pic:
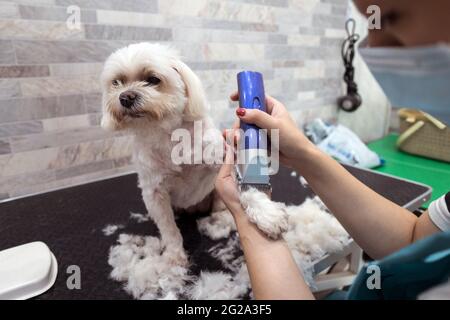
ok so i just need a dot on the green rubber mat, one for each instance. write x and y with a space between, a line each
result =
434 173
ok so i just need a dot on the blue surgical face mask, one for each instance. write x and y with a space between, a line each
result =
417 77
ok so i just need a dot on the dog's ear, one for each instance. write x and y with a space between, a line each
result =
196 105
107 122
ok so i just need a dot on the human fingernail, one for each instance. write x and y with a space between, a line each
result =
240 112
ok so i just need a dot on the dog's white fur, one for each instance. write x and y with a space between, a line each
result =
274 219
147 275
176 102
217 225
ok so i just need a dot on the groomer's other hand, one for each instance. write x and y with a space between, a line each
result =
226 185
292 141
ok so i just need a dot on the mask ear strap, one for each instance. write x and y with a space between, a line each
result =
350 27
348 54
352 100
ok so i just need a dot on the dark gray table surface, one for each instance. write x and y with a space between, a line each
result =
70 222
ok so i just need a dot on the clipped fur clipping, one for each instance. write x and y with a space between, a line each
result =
140 264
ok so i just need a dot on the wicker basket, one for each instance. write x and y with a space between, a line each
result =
423 135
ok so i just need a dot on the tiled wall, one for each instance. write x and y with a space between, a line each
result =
49 90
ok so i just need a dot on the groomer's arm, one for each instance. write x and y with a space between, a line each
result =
272 269
378 225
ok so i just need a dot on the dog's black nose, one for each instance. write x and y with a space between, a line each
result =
127 98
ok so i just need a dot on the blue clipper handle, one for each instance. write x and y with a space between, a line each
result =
252 96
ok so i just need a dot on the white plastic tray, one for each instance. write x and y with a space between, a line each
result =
26 271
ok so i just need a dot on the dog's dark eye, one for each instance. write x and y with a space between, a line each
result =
115 83
152 81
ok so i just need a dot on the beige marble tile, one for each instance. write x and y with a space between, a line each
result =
43 52
7 54
292 16
75 69
233 51
328 21
38 30
303 40
123 162
273 3
111 32
122 5
36 2
72 155
24 71
287 63
4 146
64 183
306 95
20 128
129 18
25 109
310 72
56 86
8 10
9 88
222 10
84 169
15 184
66 123
93 102
335 33
26 162
201 35
57 138
305 5
218 84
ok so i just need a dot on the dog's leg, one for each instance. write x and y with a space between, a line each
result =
269 216
160 210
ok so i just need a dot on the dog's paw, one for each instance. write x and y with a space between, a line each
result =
269 216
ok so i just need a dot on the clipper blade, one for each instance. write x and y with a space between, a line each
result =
248 176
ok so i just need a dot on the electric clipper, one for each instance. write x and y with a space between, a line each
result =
252 169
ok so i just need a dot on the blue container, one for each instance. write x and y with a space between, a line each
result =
252 96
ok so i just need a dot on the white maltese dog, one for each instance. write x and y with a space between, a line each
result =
150 92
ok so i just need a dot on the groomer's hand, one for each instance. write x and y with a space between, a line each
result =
226 185
292 142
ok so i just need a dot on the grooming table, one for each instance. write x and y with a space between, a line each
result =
70 221
404 165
